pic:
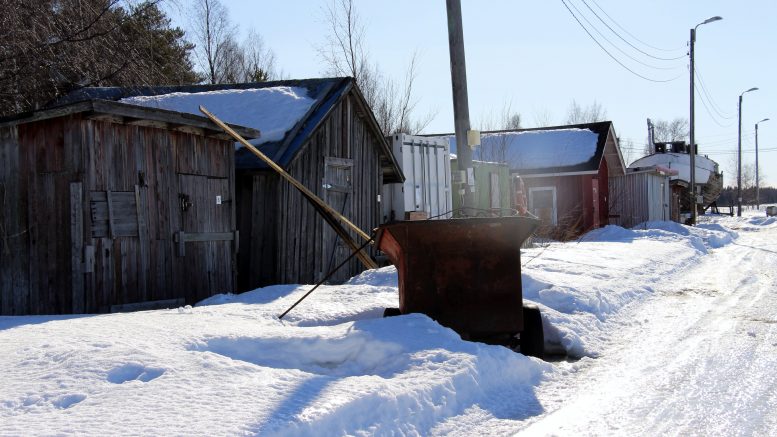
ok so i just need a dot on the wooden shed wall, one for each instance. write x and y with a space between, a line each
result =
61 177
343 154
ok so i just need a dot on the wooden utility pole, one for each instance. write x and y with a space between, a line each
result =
460 100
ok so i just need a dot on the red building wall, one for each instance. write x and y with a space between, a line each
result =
578 210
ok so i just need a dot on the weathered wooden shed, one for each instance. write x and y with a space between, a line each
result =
106 206
337 150
324 134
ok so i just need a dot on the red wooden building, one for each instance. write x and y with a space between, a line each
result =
566 171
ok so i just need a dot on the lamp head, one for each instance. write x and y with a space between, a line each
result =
711 19
765 119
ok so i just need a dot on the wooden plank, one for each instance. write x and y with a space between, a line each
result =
180 239
111 226
141 202
14 249
148 305
146 123
188 237
77 247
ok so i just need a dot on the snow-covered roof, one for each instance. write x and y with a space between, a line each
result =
273 111
286 112
548 150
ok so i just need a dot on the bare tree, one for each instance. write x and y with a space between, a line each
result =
220 56
543 118
628 150
345 54
592 113
214 36
674 130
495 148
259 63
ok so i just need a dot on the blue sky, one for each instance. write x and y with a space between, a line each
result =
535 58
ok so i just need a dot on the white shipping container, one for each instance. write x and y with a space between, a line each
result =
426 163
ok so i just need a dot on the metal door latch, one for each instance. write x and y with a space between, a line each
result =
185 201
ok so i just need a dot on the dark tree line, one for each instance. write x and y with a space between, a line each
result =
51 47
729 195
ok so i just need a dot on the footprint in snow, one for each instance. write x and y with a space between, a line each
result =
134 372
67 401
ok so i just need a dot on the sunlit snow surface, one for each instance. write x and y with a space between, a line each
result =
538 149
273 111
334 366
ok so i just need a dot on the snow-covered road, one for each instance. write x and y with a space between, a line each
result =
699 358
676 327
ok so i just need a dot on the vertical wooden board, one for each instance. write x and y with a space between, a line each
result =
302 268
28 162
73 146
77 247
105 269
14 254
129 261
143 253
243 206
45 256
60 290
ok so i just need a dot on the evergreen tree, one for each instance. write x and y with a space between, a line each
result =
51 47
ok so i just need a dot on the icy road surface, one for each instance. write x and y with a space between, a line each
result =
699 359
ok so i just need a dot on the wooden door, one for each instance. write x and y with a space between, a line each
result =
206 237
338 191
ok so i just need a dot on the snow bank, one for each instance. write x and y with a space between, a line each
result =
273 111
334 365
580 286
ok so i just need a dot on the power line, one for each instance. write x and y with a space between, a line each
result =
624 39
631 35
610 54
706 108
615 45
709 98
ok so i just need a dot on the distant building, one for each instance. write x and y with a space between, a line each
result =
565 170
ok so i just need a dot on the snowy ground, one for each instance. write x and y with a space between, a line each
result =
675 328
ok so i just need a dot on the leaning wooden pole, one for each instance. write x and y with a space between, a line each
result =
330 214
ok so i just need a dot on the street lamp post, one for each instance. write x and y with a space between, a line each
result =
739 153
692 181
757 191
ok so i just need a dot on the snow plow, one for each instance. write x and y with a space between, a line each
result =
466 274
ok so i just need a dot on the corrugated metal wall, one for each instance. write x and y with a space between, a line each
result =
639 197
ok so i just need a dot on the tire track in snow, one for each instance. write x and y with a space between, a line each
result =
700 362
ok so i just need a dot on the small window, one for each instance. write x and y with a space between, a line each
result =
114 214
337 174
